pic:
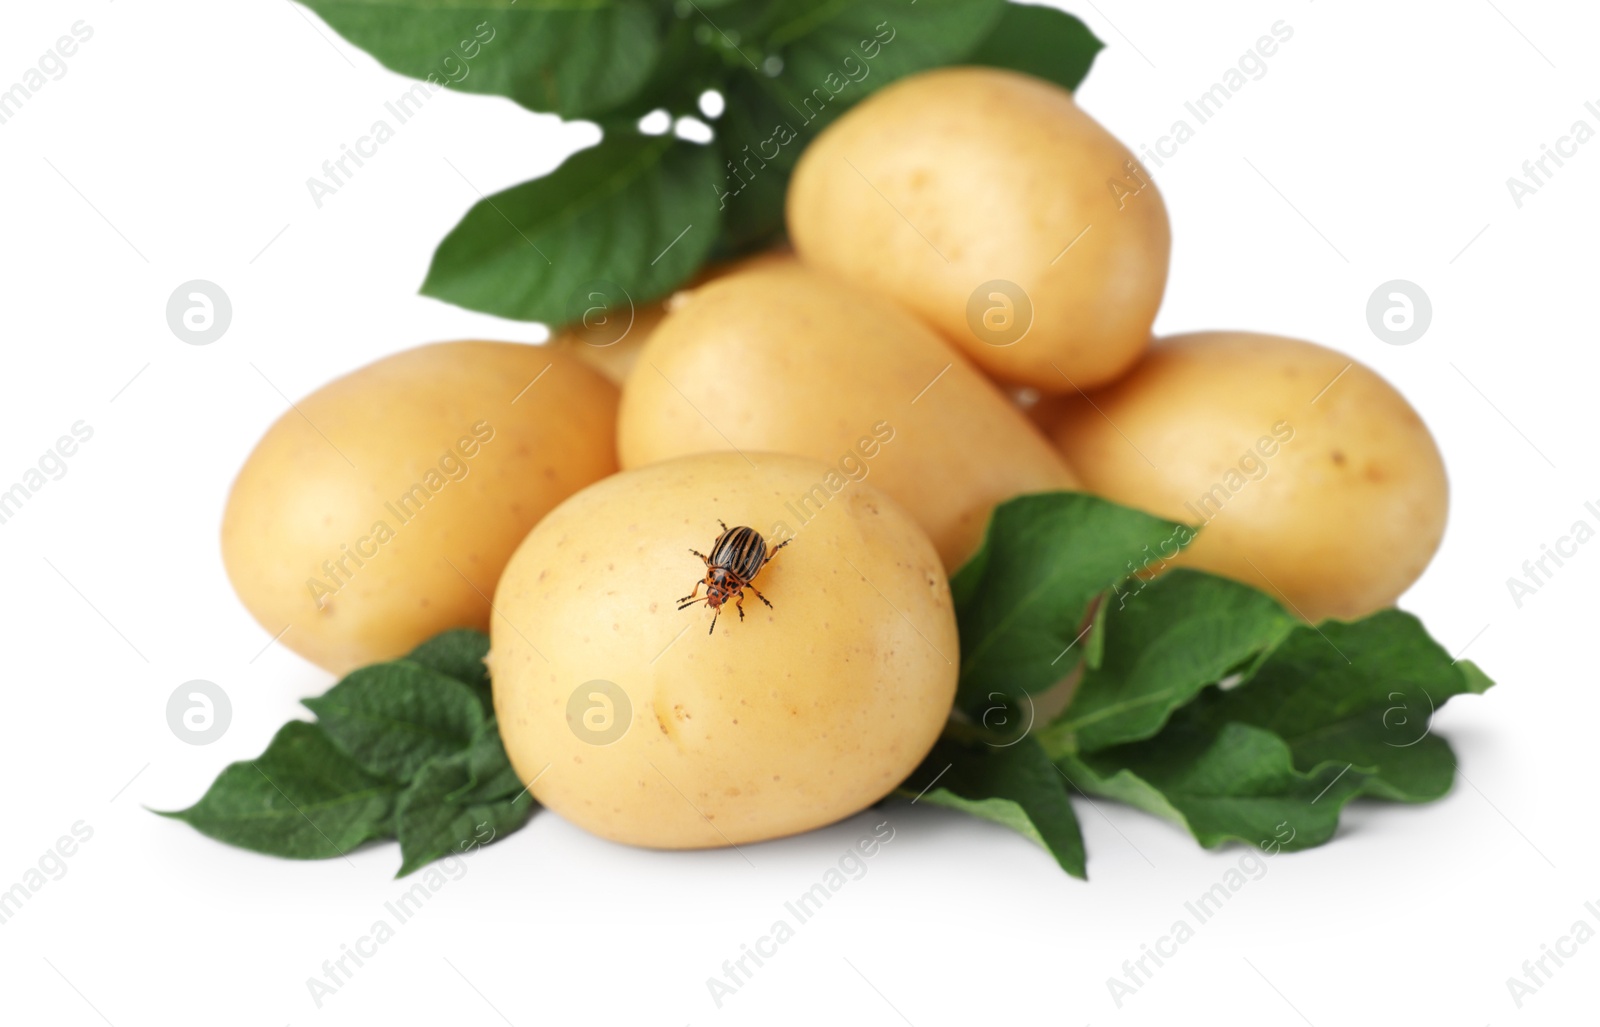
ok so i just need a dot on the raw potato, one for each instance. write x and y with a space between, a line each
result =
784 359
1334 501
610 341
969 194
381 510
633 722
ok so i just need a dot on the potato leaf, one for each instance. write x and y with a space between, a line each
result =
301 799
391 718
443 812
684 69
1361 693
1324 714
1014 786
1159 646
761 138
321 789
887 39
459 654
577 60
489 773
1040 41
1021 601
637 211
1236 784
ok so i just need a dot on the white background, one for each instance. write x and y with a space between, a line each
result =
177 147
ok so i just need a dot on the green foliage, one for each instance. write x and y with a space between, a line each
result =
405 749
393 717
459 802
1022 601
301 799
1162 645
1012 785
576 60
635 210
1042 42
1202 701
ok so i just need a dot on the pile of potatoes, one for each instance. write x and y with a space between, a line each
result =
956 244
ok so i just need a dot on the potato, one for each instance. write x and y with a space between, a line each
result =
381 509
610 340
784 359
1332 500
987 202
630 719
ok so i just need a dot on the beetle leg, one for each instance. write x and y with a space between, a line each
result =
703 557
690 598
774 551
761 597
740 604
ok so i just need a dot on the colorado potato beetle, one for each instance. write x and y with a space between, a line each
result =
736 558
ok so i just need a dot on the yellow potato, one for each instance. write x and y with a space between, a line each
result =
610 340
633 721
987 202
382 508
1332 500
784 359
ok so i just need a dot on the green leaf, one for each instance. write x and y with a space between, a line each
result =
1236 784
1162 645
1477 682
1014 786
433 823
683 71
577 59
391 718
760 138
459 654
1040 41
1362 693
301 799
489 773
322 788
1321 714
888 40
639 211
1021 601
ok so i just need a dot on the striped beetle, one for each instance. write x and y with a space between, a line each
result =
736 558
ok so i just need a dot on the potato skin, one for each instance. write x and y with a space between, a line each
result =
1335 502
999 173
793 718
784 359
416 418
